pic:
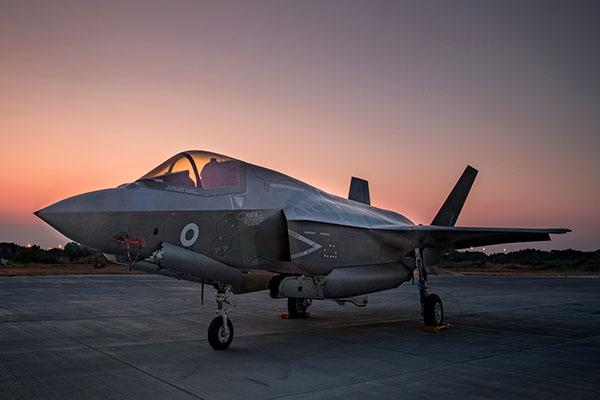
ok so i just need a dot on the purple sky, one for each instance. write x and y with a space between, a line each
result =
402 93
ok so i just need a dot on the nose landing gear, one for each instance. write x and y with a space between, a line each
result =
220 330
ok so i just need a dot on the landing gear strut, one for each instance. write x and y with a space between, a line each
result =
431 304
220 330
298 308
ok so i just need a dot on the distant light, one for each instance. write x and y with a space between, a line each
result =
504 250
28 245
471 248
483 248
59 246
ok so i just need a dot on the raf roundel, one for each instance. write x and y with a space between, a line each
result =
189 234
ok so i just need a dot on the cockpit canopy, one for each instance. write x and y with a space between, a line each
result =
197 171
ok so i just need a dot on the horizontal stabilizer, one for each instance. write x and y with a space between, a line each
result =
448 214
448 237
359 191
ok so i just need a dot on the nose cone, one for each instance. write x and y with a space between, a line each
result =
58 216
43 215
39 213
90 218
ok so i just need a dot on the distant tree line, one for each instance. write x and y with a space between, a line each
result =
72 253
538 259
535 259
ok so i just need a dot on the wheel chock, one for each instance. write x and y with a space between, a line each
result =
435 328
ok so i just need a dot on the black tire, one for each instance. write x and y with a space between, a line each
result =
433 310
297 308
216 335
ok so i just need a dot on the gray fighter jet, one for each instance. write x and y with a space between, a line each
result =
213 219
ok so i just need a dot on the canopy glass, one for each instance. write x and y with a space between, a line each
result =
197 169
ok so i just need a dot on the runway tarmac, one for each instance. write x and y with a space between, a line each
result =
144 337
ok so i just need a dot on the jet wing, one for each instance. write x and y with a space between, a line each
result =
465 237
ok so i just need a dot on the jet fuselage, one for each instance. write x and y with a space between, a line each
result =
261 223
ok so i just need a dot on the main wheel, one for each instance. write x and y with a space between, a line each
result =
220 337
433 310
297 308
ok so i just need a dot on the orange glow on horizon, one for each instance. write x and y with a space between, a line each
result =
88 103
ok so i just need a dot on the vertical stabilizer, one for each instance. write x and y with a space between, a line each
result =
448 214
359 191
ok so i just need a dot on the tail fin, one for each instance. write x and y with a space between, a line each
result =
359 191
448 214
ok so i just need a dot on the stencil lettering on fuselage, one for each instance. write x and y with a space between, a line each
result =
251 218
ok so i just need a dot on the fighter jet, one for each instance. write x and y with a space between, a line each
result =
212 219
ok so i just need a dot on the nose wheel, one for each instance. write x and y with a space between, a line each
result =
220 330
220 333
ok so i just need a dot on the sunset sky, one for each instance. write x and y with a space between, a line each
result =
401 93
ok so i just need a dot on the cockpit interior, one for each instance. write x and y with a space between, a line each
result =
196 170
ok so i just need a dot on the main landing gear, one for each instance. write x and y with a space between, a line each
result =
298 308
220 330
431 304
